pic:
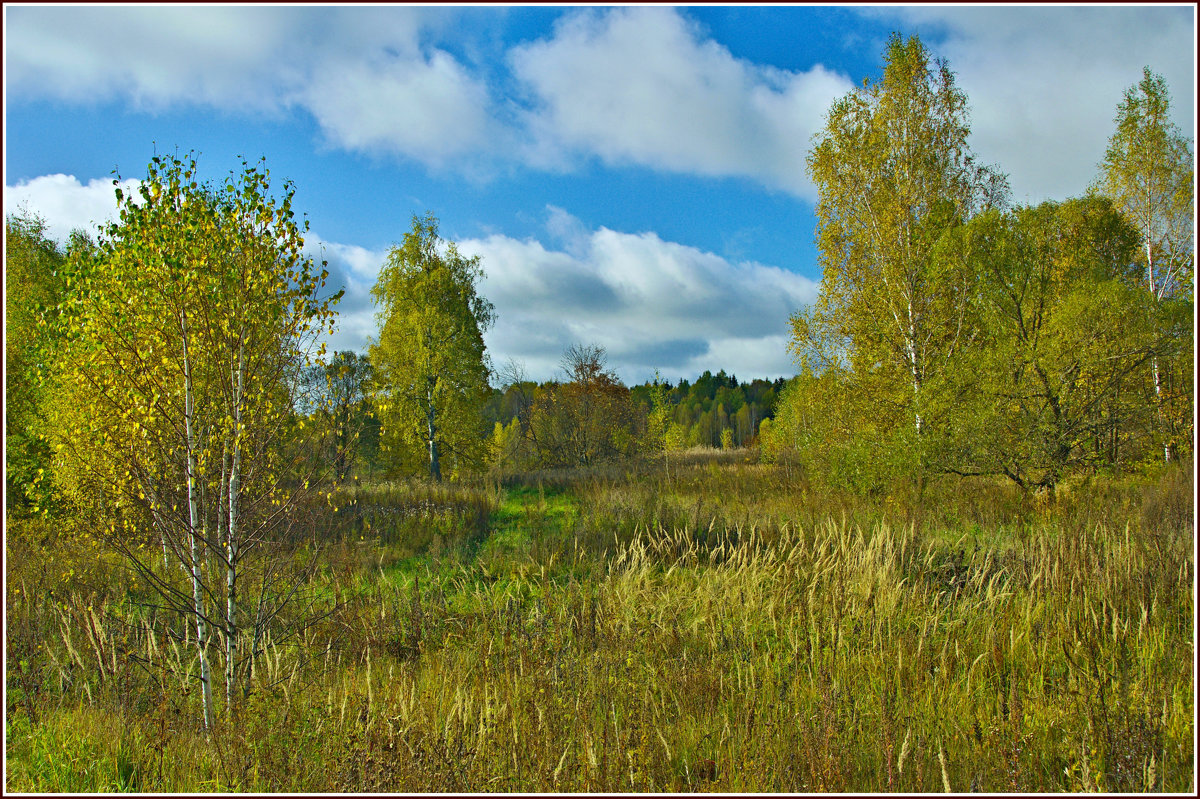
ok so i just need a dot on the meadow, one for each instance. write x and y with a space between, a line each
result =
719 626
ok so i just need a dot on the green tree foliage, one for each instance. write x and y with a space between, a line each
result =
170 402
658 420
840 438
431 365
1050 383
894 173
338 398
586 419
660 417
33 282
698 413
510 410
1149 172
953 335
507 447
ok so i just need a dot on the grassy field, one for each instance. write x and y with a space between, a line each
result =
726 628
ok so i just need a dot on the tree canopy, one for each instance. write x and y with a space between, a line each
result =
1149 172
431 364
952 334
894 173
183 333
34 279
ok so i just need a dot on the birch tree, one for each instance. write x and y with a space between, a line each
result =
33 281
1149 172
431 364
185 330
893 172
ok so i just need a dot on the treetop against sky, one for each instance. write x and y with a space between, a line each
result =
632 177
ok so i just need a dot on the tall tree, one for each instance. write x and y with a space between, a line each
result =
337 396
33 283
431 364
587 418
893 172
185 330
1149 172
1063 330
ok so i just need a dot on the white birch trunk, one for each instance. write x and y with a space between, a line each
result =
916 385
910 344
1154 360
194 521
166 555
435 467
232 538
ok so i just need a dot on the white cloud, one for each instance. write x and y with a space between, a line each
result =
353 269
429 109
153 55
632 85
651 303
641 86
637 85
65 204
1044 83
361 73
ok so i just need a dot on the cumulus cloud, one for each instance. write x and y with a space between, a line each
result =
352 269
152 55
642 86
1044 83
632 85
428 109
65 204
638 86
362 74
651 303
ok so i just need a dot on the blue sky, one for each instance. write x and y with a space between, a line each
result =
629 176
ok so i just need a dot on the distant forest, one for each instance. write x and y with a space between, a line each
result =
528 424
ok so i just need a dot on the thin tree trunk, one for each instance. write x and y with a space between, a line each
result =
259 629
916 385
223 521
1154 361
232 538
166 556
435 467
194 521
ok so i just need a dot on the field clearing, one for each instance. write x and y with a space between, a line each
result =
615 630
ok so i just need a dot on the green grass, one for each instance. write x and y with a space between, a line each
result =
727 629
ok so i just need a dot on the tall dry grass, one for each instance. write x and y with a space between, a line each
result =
717 630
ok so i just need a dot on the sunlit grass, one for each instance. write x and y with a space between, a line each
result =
723 629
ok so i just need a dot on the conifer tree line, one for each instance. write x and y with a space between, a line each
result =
532 422
587 416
